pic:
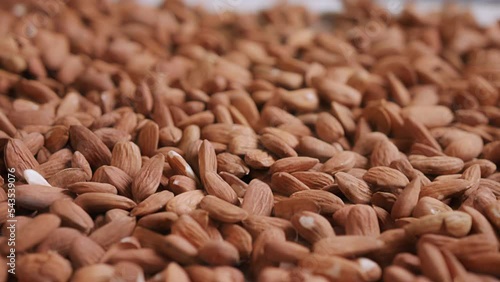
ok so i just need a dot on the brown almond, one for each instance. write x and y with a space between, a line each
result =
328 128
127 157
362 220
315 180
85 251
86 142
72 215
284 251
36 231
185 203
407 200
277 146
191 230
428 205
445 188
91 187
44 266
348 245
258 199
59 241
284 183
233 164
219 253
216 186
340 162
38 197
238 237
148 178
113 231
326 201
356 190
384 153
18 157
258 159
286 208
79 161
222 211
382 176
293 164
153 203
437 165
101 202
433 263
312 226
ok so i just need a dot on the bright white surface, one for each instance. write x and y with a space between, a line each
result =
486 13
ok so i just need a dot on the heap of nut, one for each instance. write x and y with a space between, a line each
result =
174 144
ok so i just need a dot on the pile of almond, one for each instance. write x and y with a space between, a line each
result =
173 144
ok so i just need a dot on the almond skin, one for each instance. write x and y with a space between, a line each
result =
72 215
221 210
92 148
36 231
258 199
148 178
50 266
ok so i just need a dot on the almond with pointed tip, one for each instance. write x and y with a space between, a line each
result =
285 184
445 188
221 210
72 215
407 200
347 245
362 220
186 202
148 178
38 197
101 202
127 157
153 203
216 186
285 251
113 231
84 251
19 157
91 187
238 237
227 162
293 164
258 159
36 231
328 128
48 266
258 199
219 253
382 176
327 202
59 240
91 147
312 226
116 177
191 230
356 190
180 166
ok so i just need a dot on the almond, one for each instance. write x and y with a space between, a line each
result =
312 226
221 210
92 148
258 199
50 266
148 178
72 215
127 157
